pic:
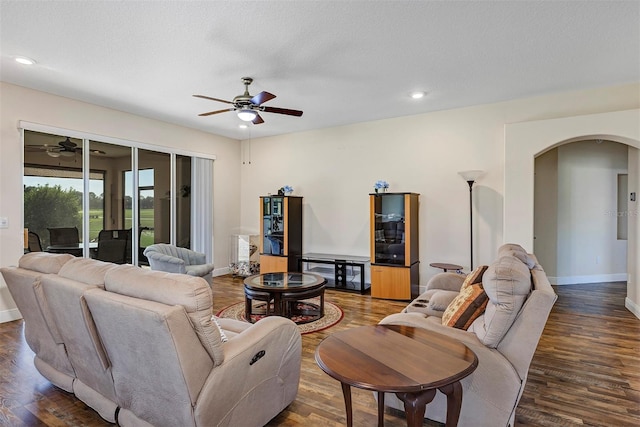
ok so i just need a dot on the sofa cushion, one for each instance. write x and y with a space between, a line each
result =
87 271
44 262
466 307
193 293
507 283
515 250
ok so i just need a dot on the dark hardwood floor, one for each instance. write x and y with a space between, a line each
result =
586 370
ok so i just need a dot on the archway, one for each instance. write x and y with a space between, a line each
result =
580 190
524 141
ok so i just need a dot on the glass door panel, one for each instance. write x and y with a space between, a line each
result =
109 233
154 197
183 201
53 192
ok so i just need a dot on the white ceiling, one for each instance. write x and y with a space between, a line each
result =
340 62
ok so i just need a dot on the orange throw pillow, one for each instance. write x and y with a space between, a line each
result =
474 277
466 307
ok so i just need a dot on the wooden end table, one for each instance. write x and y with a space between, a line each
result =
411 362
446 266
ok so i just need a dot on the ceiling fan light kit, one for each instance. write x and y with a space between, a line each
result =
247 115
248 107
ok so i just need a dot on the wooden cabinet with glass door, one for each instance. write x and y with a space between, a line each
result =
280 233
394 246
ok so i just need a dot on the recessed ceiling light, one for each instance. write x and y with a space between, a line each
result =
417 95
24 60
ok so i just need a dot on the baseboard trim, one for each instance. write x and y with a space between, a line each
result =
220 271
10 315
583 280
632 307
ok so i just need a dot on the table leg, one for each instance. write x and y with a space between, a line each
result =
380 409
454 402
247 308
278 309
415 405
346 392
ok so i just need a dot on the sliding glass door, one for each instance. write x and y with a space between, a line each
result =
89 185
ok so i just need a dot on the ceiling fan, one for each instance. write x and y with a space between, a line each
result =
66 148
248 106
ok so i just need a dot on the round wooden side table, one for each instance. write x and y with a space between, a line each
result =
445 266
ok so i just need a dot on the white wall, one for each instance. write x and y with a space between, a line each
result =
334 169
632 301
588 248
18 103
545 227
524 141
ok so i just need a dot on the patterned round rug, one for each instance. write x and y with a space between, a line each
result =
332 315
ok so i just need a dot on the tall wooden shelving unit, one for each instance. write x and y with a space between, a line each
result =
395 257
280 233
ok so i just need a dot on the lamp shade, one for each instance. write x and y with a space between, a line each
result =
247 115
472 175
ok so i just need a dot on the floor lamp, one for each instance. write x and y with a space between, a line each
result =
471 177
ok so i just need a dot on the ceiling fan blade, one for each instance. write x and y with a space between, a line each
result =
44 147
286 111
257 120
261 98
216 112
213 99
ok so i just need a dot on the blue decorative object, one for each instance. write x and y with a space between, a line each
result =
381 186
285 190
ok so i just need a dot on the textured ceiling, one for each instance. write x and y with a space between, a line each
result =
340 62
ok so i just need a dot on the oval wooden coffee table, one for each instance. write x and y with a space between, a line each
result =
411 362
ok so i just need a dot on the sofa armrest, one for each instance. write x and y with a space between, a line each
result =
446 281
165 263
265 357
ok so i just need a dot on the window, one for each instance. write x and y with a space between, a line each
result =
162 209
53 198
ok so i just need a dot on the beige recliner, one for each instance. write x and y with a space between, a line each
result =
65 294
169 362
40 330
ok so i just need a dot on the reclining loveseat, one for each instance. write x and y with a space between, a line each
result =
502 326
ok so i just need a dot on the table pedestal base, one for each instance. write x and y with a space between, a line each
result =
415 404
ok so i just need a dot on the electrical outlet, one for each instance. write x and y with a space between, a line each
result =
597 259
4 222
632 196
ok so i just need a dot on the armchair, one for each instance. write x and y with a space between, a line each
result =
173 259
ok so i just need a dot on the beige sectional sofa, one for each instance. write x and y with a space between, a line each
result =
141 348
504 336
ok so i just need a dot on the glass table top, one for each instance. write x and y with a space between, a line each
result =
283 280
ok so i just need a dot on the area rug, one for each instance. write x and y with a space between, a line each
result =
332 315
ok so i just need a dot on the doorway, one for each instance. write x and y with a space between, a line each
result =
526 140
579 212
